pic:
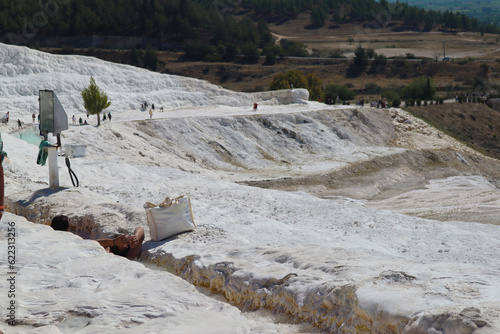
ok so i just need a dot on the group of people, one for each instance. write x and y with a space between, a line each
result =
81 121
104 116
333 101
6 118
379 104
144 107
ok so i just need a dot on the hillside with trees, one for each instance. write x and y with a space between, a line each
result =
483 10
206 33
219 29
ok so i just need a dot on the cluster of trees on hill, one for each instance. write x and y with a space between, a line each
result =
204 20
354 11
228 38
186 21
196 25
205 30
180 20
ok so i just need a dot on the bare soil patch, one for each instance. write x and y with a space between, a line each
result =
475 124
388 176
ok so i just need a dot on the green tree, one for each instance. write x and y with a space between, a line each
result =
372 88
134 57
286 80
392 97
360 58
343 93
293 49
370 53
296 79
250 53
280 81
271 52
232 51
265 33
359 64
318 16
313 86
151 58
421 88
95 100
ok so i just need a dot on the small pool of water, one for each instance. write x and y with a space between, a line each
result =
29 135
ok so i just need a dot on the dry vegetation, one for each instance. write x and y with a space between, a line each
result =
472 123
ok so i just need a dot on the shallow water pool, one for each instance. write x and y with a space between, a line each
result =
29 135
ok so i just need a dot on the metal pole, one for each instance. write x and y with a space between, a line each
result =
53 170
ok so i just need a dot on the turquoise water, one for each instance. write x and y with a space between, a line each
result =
30 135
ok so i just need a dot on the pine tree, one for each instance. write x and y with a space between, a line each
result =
95 100
134 57
151 58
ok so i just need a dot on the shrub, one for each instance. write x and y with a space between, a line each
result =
390 95
337 53
344 93
396 102
372 88
151 58
421 88
297 79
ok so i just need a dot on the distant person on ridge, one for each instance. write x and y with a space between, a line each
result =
150 113
109 116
